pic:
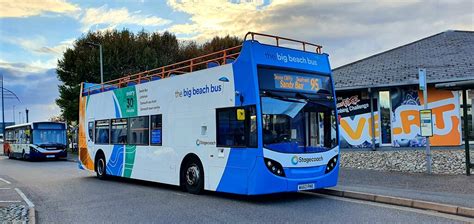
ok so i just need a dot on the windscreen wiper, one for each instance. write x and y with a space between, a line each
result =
280 97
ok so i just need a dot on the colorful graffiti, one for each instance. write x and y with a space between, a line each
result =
356 121
406 119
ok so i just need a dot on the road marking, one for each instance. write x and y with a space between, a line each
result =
6 181
407 209
28 202
5 188
10 201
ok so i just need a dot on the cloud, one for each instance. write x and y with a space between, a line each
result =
35 86
114 17
348 30
24 8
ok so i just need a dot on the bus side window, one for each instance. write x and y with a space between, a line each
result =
138 132
118 131
156 130
102 132
91 130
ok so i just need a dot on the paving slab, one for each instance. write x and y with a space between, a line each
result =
447 189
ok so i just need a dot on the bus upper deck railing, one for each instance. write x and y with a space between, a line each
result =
198 63
318 48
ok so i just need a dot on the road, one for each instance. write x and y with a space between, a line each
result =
64 194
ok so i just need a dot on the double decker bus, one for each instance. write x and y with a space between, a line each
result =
252 119
36 140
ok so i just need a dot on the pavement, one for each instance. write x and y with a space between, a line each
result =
390 148
13 207
62 193
447 189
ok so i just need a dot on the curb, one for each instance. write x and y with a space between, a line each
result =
405 202
31 215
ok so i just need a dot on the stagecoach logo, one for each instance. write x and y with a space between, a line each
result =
296 159
201 142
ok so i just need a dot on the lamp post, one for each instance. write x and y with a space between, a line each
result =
10 95
100 58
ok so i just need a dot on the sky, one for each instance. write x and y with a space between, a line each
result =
35 33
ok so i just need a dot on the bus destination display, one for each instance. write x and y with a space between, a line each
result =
295 82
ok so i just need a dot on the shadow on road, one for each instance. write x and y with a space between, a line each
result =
254 199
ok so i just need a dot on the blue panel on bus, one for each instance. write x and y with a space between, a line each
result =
156 136
115 163
263 54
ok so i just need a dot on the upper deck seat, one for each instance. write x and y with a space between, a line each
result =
153 78
212 64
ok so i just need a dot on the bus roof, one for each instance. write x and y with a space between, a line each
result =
31 124
222 57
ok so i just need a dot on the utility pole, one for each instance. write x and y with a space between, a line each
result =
100 59
26 112
14 121
3 110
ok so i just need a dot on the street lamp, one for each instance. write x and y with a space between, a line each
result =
101 66
10 95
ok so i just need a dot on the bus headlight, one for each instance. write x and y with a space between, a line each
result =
274 167
33 150
331 164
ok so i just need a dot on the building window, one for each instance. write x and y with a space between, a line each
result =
139 131
384 102
156 130
118 131
233 131
102 131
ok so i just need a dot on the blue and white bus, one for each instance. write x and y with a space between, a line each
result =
36 140
252 119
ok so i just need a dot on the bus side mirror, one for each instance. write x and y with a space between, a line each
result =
241 114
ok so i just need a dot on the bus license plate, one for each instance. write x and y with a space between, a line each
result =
49 156
303 187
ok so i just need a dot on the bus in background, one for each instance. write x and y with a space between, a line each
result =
36 140
252 119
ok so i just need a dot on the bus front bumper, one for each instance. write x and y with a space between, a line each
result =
48 155
262 181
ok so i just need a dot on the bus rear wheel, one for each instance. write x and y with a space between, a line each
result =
101 168
193 175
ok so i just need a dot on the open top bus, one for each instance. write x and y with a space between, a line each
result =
252 119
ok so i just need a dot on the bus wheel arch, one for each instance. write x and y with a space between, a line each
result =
192 174
100 164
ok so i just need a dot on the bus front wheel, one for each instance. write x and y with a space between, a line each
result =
193 175
101 168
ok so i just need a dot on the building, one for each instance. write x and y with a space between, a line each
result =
379 94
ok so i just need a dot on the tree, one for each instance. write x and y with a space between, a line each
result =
124 53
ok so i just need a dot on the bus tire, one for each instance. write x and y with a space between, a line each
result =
101 167
24 156
193 176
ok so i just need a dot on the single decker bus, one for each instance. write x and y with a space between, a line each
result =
36 140
258 118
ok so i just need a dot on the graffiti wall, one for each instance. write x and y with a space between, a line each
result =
406 104
356 122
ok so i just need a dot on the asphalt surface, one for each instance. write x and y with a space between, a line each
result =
64 194
448 189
